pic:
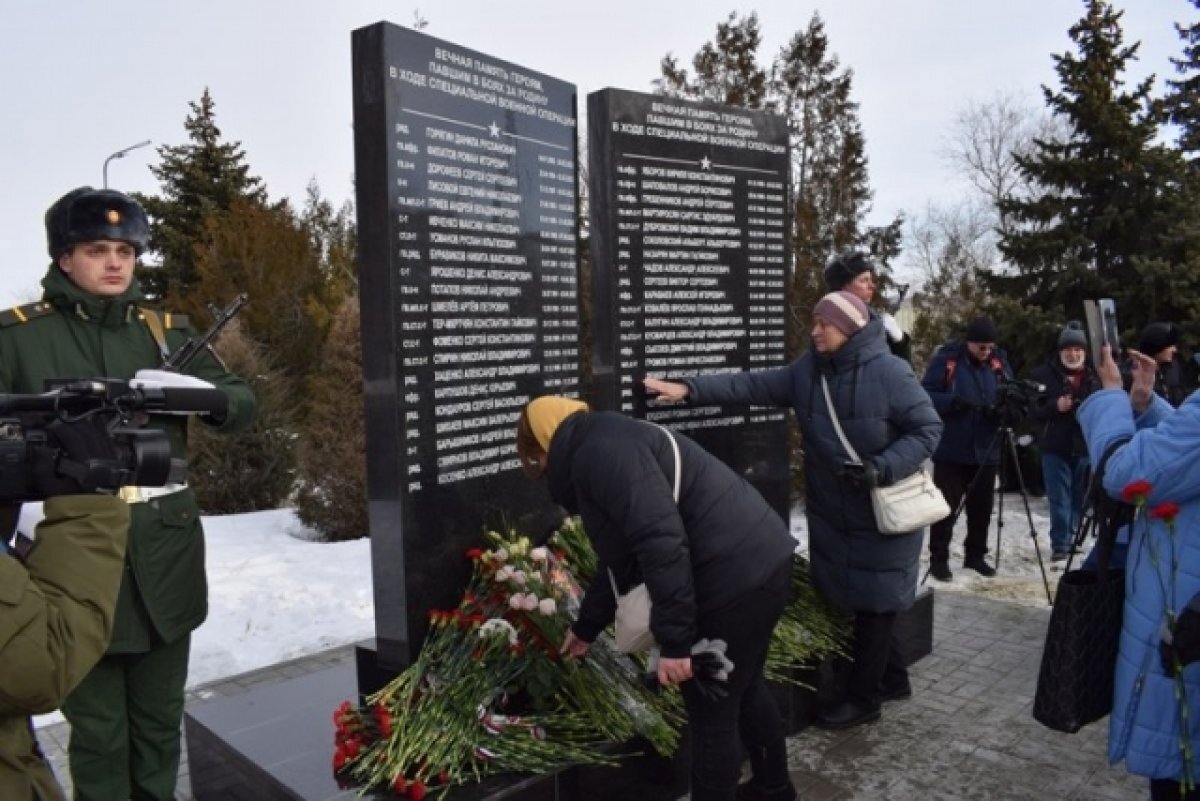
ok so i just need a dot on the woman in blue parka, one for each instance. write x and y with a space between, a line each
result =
1162 567
893 426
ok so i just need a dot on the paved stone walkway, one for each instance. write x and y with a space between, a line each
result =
967 733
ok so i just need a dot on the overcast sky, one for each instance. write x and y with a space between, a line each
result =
84 79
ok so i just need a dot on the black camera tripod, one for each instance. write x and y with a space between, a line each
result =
1007 442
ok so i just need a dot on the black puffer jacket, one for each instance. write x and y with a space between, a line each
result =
721 541
891 423
1059 433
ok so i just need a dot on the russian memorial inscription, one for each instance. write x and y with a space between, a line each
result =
466 188
689 213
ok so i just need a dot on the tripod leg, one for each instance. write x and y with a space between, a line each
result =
1012 449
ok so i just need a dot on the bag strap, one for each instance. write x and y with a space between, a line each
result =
678 462
674 493
1111 514
837 426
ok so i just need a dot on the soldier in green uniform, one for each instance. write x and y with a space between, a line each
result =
56 602
126 715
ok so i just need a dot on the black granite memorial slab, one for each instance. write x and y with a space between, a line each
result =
689 221
274 742
466 193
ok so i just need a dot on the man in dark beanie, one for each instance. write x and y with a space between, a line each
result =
853 272
1067 379
93 321
1160 341
963 380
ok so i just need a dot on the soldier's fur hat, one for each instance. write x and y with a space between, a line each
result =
86 214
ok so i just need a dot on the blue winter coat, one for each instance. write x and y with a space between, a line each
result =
1144 727
888 419
970 435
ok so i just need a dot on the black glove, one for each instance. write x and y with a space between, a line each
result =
1183 643
64 468
863 476
958 405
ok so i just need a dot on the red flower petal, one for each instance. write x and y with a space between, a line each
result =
1165 511
1136 491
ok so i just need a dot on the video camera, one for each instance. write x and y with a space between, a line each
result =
1014 396
142 455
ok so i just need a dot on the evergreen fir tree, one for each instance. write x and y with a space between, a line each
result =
283 262
1099 208
331 496
197 180
1182 102
727 70
255 469
830 185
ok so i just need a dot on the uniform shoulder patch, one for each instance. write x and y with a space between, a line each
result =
23 314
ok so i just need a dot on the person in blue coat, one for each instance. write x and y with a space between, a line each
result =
892 424
963 380
1162 568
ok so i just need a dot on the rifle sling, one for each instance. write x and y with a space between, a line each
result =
154 323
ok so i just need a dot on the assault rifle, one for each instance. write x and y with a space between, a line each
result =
181 358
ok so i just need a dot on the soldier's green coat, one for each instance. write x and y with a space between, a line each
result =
56 614
72 334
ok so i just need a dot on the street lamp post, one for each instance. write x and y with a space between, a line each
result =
120 154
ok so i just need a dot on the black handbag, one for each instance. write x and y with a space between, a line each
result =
1079 660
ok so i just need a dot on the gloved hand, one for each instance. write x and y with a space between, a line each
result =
1182 643
864 475
894 332
68 467
157 379
711 669
165 379
959 404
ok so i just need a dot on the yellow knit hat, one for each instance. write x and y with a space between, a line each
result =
547 413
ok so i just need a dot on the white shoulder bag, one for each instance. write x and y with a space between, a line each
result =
906 505
632 621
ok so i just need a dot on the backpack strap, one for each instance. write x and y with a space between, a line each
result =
951 368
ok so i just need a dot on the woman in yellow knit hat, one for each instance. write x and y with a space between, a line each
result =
716 559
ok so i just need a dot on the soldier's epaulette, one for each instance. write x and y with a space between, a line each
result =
23 314
169 319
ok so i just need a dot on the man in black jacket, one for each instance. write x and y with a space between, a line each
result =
1067 379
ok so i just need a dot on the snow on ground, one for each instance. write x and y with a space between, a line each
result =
277 594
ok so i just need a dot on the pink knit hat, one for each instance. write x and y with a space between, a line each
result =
844 311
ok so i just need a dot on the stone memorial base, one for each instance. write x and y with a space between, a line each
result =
275 740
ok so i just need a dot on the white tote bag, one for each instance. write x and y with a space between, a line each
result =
632 621
906 505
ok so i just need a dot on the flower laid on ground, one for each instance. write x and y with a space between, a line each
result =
490 692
